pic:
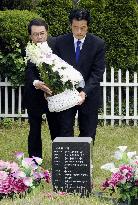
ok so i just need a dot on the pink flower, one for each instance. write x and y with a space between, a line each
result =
19 155
19 186
38 160
6 185
62 193
116 178
50 195
19 174
38 176
19 179
127 171
105 184
124 181
28 181
3 175
47 176
4 165
136 162
13 167
29 163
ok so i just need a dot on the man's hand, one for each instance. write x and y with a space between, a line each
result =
41 85
83 96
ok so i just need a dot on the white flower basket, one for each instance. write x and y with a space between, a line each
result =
63 101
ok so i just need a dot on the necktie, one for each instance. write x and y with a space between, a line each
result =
78 51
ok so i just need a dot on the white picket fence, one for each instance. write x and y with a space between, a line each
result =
123 99
119 100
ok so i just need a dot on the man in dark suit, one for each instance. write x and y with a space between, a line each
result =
85 52
34 90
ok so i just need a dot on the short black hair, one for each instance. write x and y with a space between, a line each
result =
37 22
80 14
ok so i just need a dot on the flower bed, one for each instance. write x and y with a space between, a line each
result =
22 176
124 178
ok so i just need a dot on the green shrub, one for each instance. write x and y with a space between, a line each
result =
13 38
116 22
55 12
120 31
113 20
18 4
6 123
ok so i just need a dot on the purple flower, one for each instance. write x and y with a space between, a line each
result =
105 184
47 176
19 179
29 163
19 174
116 178
36 176
19 155
13 167
124 181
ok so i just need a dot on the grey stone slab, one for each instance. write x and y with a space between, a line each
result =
71 165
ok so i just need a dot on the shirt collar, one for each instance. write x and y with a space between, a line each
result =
82 40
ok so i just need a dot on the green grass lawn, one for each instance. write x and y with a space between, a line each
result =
14 138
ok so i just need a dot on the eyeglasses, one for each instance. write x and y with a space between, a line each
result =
41 34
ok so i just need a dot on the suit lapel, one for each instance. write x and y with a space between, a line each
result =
71 50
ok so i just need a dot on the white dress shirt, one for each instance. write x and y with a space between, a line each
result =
81 44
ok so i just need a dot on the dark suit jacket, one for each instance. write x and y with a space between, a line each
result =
33 99
91 62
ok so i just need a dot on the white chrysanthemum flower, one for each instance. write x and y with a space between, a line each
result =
44 48
118 155
109 167
122 148
131 154
42 53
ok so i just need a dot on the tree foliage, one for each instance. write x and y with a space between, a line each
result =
56 12
18 4
120 31
113 20
13 38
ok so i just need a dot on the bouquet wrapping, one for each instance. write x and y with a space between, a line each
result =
58 75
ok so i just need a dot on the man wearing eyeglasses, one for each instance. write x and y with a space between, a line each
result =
34 90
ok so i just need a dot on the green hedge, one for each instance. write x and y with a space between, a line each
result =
113 20
18 4
56 12
13 37
120 30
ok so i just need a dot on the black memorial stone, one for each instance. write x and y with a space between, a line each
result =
71 165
